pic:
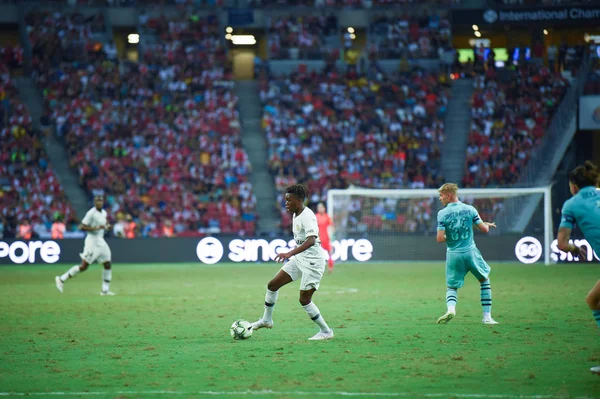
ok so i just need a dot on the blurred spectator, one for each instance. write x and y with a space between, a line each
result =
168 230
552 52
119 227
25 230
130 227
58 229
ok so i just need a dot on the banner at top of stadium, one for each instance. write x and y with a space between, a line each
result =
580 15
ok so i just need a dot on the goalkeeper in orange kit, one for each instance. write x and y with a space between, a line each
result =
325 230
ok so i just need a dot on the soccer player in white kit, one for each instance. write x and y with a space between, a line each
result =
95 248
305 262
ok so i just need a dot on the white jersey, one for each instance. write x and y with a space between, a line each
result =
304 226
94 218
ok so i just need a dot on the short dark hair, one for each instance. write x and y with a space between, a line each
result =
299 190
584 175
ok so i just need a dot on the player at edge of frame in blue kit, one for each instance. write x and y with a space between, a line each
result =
455 227
583 209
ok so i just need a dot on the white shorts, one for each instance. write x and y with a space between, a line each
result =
310 271
96 252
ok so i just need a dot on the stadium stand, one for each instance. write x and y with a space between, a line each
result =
29 190
162 140
510 111
370 130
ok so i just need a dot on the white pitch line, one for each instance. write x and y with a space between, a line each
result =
297 393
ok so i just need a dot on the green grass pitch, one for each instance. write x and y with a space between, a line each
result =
166 334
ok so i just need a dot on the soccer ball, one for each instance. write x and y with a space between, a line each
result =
241 329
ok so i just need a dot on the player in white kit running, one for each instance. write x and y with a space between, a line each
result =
95 248
305 262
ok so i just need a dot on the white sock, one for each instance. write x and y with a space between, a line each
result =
72 272
452 308
106 278
270 299
487 315
313 312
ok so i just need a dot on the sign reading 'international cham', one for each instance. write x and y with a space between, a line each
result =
582 15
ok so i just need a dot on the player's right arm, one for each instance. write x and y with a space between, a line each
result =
567 222
482 226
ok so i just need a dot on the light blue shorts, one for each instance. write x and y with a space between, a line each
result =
458 264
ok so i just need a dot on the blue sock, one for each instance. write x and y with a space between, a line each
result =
486 296
451 298
596 314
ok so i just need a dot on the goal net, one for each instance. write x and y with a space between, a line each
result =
402 224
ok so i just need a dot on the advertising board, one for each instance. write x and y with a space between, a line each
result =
215 250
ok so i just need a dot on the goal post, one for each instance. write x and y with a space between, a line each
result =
388 214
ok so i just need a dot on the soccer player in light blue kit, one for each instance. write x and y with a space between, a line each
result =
583 209
455 227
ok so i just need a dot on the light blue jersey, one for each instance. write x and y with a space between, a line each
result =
583 209
457 220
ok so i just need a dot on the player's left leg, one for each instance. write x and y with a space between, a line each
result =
481 270
315 315
311 278
455 279
105 259
106 279
593 301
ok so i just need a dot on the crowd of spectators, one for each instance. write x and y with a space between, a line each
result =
422 35
56 37
361 214
29 190
258 3
510 110
300 36
161 137
332 130
348 3
544 2
133 3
